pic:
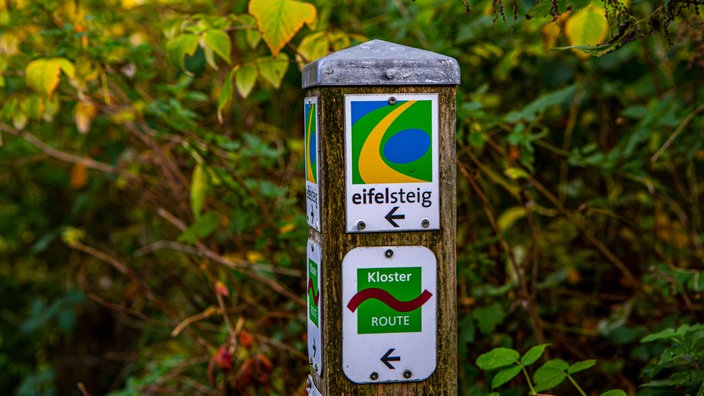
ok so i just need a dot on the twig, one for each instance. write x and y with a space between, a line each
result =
120 308
122 268
676 133
83 389
210 311
60 155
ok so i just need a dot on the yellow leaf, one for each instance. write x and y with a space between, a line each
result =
510 216
587 27
313 47
43 75
255 257
279 20
286 228
551 32
9 43
130 4
83 114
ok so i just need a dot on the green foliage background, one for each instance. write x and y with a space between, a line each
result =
152 238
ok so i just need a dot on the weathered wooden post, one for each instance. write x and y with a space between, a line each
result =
380 188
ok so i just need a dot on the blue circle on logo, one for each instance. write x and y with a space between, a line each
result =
312 152
407 146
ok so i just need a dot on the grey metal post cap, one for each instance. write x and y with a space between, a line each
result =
379 62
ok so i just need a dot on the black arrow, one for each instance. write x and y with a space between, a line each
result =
390 217
386 358
315 351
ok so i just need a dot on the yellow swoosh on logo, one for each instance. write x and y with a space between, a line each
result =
372 167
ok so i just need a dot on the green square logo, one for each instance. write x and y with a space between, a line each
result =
313 292
392 300
392 143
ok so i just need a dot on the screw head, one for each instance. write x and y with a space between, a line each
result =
425 223
407 374
361 225
389 253
317 368
374 376
392 100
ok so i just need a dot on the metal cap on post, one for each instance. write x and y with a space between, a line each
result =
380 192
380 62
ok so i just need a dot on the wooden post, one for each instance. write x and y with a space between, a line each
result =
380 170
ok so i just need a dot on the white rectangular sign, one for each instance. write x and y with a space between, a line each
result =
389 319
392 162
314 312
312 155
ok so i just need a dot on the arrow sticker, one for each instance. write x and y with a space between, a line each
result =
388 358
390 217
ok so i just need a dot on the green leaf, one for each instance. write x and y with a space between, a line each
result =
489 317
245 78
199 189
218 41
279 20
204 226
226 93
273 69
550 374
581 366
504 376
533 354
181 46
252 35
538 106
614 392
43 75
497 357
689 378
664 334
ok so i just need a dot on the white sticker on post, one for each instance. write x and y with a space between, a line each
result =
312 154
389 325
392 158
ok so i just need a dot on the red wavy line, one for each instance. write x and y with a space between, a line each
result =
316 297
385 297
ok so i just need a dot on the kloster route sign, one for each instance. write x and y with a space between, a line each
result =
392 162
313 300
389 312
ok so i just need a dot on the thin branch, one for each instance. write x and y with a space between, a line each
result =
60 155
210 311
676 133
122 268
